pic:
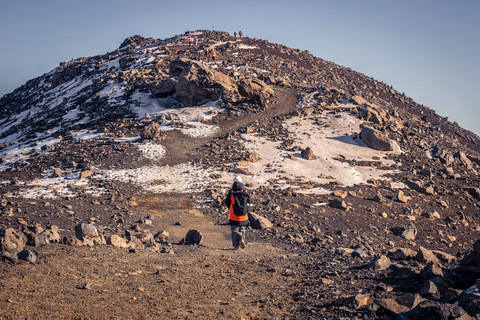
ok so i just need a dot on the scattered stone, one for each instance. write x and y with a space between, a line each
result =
400 304
401 197
51 236
308 154
429 290
420 186
151 132
404 254
85 174
434 310
338 204
162 236
375 139
27 255
11 240
427 256
340 193
259 222
358 301
380 263
408 231
432 270
360 253
117 241
252 157
193 237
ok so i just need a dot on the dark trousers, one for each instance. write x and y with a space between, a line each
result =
237 233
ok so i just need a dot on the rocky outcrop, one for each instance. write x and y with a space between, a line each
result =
376 139
199 84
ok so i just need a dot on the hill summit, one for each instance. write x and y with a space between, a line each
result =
365 204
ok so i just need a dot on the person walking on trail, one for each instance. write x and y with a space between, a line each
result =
240 34
237 201
212 53
195 41
235 34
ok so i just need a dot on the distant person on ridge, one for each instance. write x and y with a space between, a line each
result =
235 34
213 54
240 34
237 201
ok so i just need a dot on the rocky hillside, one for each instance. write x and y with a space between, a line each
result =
365 203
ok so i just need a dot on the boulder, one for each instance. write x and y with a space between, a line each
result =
434 310
400 304
11 240
51 236
340 204
474 192
381 263
117 241
420 186
135 244
252 157
404 254
162 236
85 174
408 231
36 240
429 290
444 156
89 234
374 114
375 139
427 256
358 100
249 87
151 132
358 301
163 88
401 197
340 193
464 159
199 84
259 222
470 302
193 237
432 270
27 255
308 154
86 229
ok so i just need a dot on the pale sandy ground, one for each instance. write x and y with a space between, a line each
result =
329 139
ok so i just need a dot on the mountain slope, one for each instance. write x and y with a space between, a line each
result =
148 137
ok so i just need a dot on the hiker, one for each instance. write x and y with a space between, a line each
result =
212 53
234 74
195 41
240 34
235 34
237 201
207 54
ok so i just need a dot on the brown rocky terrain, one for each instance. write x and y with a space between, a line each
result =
78 243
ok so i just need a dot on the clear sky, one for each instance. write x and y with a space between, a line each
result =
428 49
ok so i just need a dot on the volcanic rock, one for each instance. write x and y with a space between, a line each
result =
375 139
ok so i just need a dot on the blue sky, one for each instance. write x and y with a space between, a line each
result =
428 49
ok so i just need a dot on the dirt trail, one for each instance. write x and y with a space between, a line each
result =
216 234
198 282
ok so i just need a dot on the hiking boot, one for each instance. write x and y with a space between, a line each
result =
236 248
242 242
